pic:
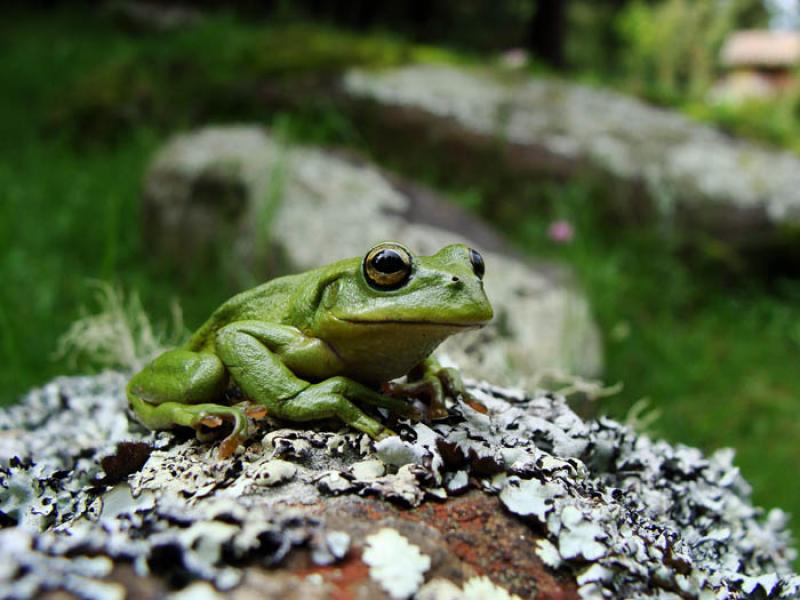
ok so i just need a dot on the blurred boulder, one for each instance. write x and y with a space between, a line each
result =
267 208
741 192
153 17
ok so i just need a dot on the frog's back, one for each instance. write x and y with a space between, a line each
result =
269 302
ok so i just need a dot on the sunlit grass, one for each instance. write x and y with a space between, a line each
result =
117 333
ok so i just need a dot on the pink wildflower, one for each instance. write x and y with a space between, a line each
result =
561 231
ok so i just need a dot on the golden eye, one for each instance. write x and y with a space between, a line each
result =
387 266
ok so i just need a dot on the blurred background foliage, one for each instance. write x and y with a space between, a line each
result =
86 99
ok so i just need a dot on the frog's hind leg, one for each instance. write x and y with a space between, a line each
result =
248 349
179 388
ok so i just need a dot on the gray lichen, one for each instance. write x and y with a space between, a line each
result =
626 515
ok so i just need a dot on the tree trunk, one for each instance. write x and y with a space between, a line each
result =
547 31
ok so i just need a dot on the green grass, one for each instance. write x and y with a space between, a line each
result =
84 106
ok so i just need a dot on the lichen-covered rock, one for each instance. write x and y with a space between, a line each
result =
547 505
722 183
271 208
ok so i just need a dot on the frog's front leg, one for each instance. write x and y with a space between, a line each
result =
257 355
431 381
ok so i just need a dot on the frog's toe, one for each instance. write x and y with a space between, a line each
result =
384 433
211 421
210 418
256 412
229 445
475 404
410 410
437 412
415 414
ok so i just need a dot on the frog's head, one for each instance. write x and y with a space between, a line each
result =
392 286
391 303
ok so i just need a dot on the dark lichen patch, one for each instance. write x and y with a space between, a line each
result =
128 458
621 514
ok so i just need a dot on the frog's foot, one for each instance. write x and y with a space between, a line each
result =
206 418
429 390
455 388
362 394
229 445
434 386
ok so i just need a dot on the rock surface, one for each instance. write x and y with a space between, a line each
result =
730 186
274 208
525 501
148 17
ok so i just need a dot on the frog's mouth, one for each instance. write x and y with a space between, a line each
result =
422 323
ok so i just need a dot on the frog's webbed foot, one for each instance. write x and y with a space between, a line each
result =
455 388
212 419
429 391
205 419
433 384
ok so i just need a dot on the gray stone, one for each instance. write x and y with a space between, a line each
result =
724 184
274 208
158 17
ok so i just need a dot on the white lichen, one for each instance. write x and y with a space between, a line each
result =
398 566
579 536
367 470
275 472
548 553
199 590
439 589
530 498
396 452
480 588
476 588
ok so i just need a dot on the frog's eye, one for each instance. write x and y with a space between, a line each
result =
477 263
387 266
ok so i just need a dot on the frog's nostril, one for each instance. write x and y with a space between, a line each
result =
455 279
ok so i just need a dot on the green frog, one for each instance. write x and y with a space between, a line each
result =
318 344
